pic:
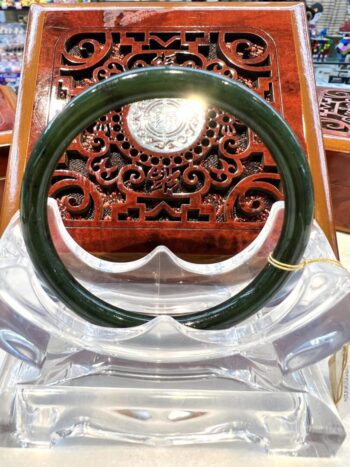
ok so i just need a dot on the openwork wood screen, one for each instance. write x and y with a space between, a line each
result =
150 164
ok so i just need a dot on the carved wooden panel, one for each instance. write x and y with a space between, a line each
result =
335 111
334 106
7 112
127 184
219 176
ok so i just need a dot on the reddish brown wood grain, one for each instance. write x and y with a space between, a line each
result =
71 48
7 108
7 117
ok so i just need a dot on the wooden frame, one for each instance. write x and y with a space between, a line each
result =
7 117
282 23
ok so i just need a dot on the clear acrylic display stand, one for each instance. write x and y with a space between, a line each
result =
259 383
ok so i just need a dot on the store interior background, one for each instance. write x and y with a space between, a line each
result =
329 25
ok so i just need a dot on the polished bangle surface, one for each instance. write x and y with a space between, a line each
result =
166 82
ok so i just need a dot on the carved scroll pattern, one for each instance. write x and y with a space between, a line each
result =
335 112
226 177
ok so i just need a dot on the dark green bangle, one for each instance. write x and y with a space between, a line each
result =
165 82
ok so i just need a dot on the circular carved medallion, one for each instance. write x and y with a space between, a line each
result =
166 125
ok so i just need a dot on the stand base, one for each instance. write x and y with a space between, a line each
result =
294 417
282 423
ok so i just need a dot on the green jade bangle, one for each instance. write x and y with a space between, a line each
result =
166 82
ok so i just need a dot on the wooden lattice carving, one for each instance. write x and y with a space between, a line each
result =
334 105
335 112
225 177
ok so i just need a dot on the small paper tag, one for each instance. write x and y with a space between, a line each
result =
339 371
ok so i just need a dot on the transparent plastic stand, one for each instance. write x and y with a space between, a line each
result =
259 383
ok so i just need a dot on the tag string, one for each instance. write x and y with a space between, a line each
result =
297 267
339 391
